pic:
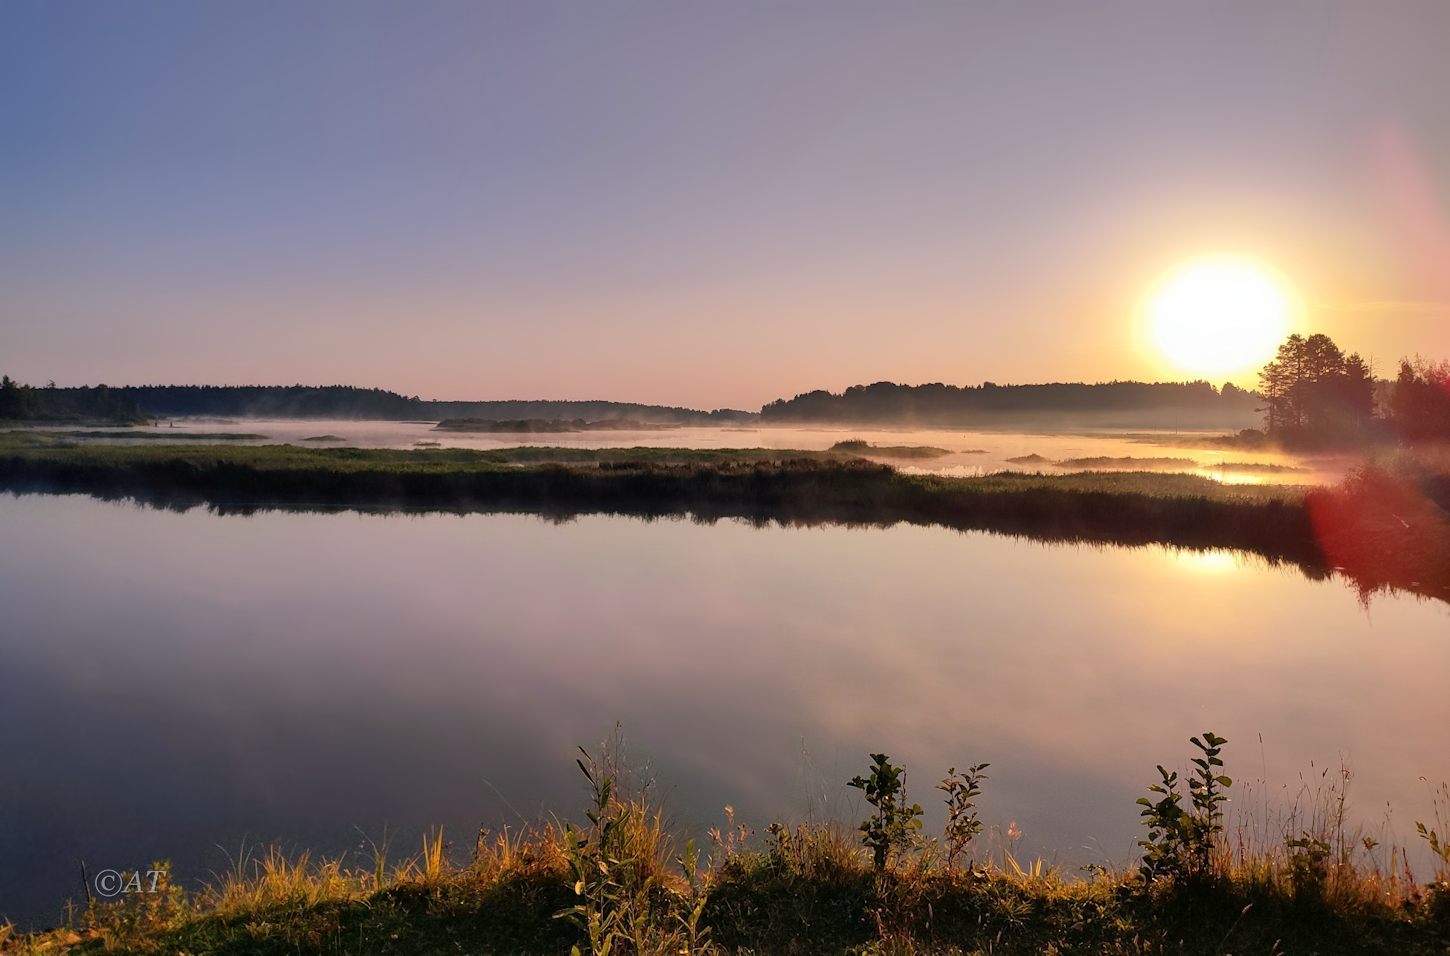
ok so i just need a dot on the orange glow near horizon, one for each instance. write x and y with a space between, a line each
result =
1218 316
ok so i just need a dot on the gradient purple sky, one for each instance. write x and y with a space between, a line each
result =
699 203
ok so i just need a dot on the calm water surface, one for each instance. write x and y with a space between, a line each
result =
175 683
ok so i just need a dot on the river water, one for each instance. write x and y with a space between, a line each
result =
179 684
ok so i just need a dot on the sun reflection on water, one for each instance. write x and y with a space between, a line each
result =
1217 561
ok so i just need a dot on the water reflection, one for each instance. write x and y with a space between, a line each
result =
175 681
1216 561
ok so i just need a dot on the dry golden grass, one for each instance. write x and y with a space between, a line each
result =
805 883
1285 875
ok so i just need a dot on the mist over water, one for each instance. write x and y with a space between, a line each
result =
189 681
968 452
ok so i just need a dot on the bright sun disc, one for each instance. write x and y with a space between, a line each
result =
1219 315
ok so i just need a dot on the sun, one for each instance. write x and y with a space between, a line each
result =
1219 315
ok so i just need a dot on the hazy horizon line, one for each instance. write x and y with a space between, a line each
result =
658 404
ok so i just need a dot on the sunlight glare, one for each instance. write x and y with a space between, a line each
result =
1219 315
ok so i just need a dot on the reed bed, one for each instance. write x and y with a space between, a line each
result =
1383 528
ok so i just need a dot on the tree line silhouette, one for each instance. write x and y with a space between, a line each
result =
138 402
938 404
1315 394
1419 406
1311 393
345 401
26 403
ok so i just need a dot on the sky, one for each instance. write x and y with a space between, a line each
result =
711 203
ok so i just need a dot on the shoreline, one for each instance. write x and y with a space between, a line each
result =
1385 532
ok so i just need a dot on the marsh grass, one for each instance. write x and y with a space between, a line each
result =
857 446
1253 467
1436 835
1380 529
758 484
1128 463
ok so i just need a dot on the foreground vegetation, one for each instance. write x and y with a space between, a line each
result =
1380 528
619 882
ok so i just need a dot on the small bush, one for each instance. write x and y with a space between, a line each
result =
963 824
1180 841
895 822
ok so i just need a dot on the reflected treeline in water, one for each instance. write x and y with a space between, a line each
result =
1377 530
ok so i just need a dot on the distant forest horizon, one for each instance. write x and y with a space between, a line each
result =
881 402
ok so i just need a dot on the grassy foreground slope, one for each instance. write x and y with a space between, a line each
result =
1378 529
619 882
810 897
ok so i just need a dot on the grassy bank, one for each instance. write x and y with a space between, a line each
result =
857 446
618 881
1379 530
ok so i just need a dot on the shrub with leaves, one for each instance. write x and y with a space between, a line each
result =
1180 841
895 822
1308 863
1206 786
1167 823
963 824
